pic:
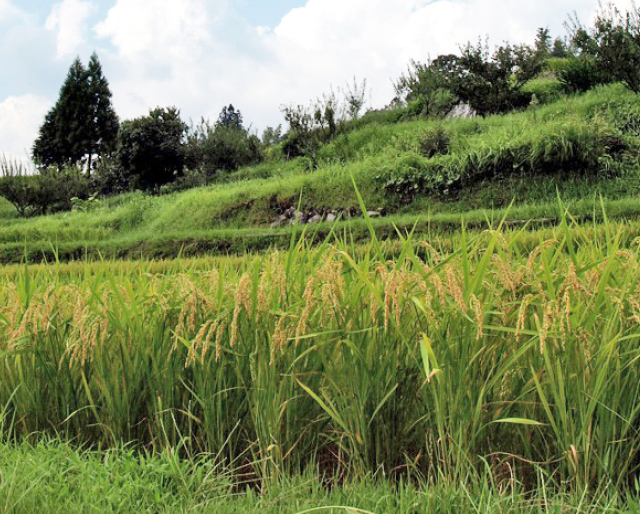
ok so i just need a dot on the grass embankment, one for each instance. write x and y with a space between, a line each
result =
503 360
52 477
581 147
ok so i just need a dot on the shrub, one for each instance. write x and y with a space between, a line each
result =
223 147
426 89
489 83
581 74
612 46
435 141
556 64
567 147
109 178
192 177
50 190
545 89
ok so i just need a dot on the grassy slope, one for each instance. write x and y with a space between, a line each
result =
234 216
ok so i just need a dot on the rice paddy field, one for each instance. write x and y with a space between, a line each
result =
474 349
492 371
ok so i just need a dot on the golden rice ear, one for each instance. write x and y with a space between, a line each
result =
477 309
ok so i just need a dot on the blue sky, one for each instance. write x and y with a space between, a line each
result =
200 55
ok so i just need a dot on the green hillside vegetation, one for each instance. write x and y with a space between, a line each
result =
433 173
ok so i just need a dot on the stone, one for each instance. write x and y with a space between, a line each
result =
462 111
279 221
315 219
374 214
331 217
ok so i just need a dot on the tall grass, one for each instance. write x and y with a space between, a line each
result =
486 358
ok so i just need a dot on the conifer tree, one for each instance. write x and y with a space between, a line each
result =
82 123
102 124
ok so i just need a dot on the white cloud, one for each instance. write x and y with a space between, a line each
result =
199 56
163 30
20 119
328 41
69 20
8 10
194 54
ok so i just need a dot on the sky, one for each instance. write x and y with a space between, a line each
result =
200 55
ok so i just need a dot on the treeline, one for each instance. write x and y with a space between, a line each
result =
84 152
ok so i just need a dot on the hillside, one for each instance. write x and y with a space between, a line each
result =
427 174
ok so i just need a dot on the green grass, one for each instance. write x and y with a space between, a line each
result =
55 478
461 354
581 147
49 242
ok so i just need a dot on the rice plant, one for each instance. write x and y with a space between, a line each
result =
505 353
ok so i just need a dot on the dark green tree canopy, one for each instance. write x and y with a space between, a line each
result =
489 82
223 147
102 122
151 148
230 118
82 123
612 46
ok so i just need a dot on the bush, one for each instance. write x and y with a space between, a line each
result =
545 89
556 64
427 90
489 83
109 178
551 148
192 177
221 148
612 46
48 191
435 141
581 74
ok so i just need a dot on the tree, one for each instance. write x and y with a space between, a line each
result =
62 137
426 88
225 146
272 136
613 44
34 192
151 149
493 83
543 42
230 118
559 49
102 122
82 123
354 95
489 83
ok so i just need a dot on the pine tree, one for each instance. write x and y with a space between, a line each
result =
230 118
82 123
543 42
102 123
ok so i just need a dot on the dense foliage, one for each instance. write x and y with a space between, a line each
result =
226 146
82 124
41 193
151 148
